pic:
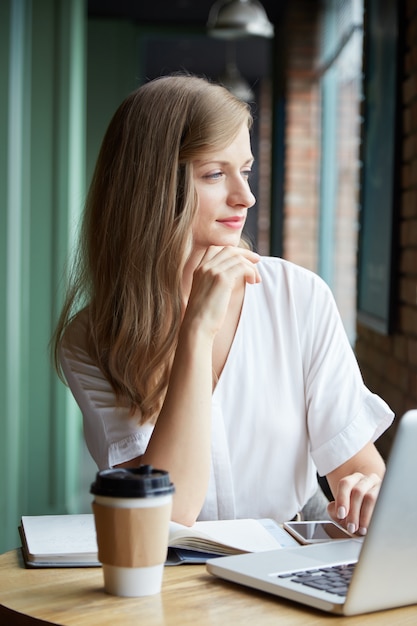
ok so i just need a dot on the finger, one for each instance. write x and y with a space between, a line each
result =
224 274
235 262
367 508
355 501
362 501
220 252
341 507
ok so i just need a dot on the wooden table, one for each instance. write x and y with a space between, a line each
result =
189 596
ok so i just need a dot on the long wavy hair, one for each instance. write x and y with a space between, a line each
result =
136 232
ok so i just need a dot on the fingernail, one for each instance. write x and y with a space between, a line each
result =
362 531
351 528
341 512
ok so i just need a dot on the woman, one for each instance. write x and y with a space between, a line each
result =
185 350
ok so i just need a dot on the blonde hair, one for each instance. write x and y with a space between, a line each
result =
136 232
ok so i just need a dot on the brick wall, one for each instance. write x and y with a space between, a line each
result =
300 236
389 363
264 194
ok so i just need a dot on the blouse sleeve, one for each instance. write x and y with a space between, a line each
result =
112 434
343 414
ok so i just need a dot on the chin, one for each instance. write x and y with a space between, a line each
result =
228 240
220 241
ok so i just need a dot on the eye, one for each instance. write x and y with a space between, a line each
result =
213 175
246 174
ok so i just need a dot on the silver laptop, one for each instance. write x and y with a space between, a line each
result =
378 571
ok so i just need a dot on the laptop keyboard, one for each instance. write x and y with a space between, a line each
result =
333 579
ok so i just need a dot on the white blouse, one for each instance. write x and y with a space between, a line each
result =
290 400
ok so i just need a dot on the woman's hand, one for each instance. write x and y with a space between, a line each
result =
355 486
355 501
220 270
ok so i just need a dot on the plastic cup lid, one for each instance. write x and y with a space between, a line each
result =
137 482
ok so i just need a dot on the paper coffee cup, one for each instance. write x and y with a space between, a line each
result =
132 510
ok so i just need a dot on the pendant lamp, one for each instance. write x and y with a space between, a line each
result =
235 19
232 79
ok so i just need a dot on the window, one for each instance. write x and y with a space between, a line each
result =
340 76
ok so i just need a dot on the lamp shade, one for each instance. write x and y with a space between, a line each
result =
235 19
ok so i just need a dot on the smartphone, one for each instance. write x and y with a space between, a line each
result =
316 532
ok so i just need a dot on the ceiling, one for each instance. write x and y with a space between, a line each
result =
168 12
174 37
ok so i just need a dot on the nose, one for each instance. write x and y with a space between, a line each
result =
240 194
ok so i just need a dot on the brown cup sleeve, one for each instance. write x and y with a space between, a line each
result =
136 537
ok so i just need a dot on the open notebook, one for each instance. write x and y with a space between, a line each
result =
377 573
70 540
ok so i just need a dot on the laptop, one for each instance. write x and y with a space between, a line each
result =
381 566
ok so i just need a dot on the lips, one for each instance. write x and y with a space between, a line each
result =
232 222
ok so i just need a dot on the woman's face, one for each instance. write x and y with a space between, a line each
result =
221 180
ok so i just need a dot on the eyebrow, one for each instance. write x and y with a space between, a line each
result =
200 162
